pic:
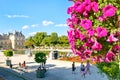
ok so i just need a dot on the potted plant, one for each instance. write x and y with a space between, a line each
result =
40 57
8 53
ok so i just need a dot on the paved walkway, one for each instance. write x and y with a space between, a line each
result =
56 69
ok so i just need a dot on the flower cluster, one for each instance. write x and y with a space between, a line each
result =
94 30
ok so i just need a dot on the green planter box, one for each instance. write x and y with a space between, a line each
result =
40 73
8 62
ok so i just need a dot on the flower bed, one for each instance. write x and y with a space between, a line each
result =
76 59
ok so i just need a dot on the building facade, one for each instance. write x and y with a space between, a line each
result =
13 40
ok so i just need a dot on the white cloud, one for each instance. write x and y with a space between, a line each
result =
61 25
25 27
46 23
35 25
32 33
17 16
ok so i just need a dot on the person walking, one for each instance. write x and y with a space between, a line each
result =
88 67
83 70
11 66
24 65
73 68
20 64
81 65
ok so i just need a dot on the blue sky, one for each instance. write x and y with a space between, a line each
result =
31 16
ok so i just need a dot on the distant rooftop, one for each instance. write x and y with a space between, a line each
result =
17 33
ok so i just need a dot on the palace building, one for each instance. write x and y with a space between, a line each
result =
13 40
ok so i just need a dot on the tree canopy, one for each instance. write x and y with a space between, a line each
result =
42 39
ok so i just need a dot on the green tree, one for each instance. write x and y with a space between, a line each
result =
46 41
40 57
63 41
29 43
54 38
38 37
8 53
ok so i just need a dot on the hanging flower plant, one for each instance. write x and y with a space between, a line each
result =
94 29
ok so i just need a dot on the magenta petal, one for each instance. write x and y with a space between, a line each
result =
101 32
94 59
100 18
87 1
87 6
95 6
91 32
111 38
116 48
79 53
69 10
109 11
71 35
107 60
79 35
110 56
97 46
87 52
80 8
86 24
85 14
81 49
73 50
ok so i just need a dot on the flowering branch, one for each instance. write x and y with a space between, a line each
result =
94 29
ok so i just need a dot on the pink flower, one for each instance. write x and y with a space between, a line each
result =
81 49
91 32
94 6
74 19
69 10
101 18
85 14
87 5
109 11
87 1
99 58
89 43
79 35
72 44
73 49
80 8
110 56
107 60
72 8
71 35
116 48
86 24
86 33
87 52
111 38
101 32
79 53
94 59
117 34
69 23
96 46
